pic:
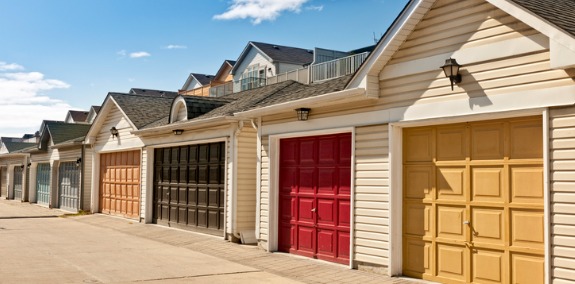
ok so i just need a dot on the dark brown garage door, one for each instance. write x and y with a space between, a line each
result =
189 187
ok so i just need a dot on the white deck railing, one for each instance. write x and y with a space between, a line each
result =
338 67
298 75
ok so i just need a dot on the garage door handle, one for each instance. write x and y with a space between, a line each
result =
313 210
466 222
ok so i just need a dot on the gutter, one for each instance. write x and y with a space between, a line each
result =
344 95
192 124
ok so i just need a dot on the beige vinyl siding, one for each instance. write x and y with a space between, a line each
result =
455 26
246 180
87 179
69 155
3 181
143 182
125 139
562 192
264 191
371 195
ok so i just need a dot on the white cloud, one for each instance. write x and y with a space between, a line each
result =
259 10
139 54
175 46
315 8
23 104
122 53
10 67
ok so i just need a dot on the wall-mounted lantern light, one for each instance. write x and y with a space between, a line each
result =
78 161
114 131
302 113
451 70
21 166
178 131
29 164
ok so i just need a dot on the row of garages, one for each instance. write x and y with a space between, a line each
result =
473 184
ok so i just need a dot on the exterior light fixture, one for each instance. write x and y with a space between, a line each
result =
22 166
78 162
451 70
114 131
302 113
178 131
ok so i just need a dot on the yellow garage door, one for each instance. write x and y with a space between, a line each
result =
473 202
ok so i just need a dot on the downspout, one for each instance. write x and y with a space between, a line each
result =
257 127
237 132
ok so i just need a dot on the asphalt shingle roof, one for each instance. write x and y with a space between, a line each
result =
150 92
15 146
143 109
204 79
62 131
286 53
96 109
560 13
78 115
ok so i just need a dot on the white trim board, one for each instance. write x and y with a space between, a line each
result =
516 101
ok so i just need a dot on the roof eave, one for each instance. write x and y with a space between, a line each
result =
347 95
188 125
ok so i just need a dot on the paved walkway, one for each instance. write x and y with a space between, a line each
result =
103 249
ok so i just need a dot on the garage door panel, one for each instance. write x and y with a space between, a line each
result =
451 143
306 236
489 266
307 178
344 181
488 225
343 213
343 241
417 219
326 240
487 184
328 150
523 146
527 229
42 183
326 212
451 262
451 183
450 222
417 257
17 184
69 186
308 152
487 141
527 269
526 184
418 182
327 180
419 145
305 210
213 198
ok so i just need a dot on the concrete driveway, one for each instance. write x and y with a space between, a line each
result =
39 245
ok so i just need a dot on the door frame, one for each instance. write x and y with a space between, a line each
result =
149 180
274 156
396 179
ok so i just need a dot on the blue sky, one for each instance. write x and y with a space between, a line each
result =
68 54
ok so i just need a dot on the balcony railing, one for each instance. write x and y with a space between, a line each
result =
338 67
221 90
298 75
249 83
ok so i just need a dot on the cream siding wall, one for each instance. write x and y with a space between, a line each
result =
246 180
472 26
562 193
263 234
124 141
371 194
87 178
144 182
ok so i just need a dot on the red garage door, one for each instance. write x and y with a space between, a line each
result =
314 196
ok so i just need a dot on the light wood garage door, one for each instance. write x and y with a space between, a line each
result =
473 202
120 184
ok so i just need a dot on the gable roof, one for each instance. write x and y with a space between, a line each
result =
227 64
61 131
78 115
203 79
96 109
152 92
142 109
15 146
278 53
552 18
